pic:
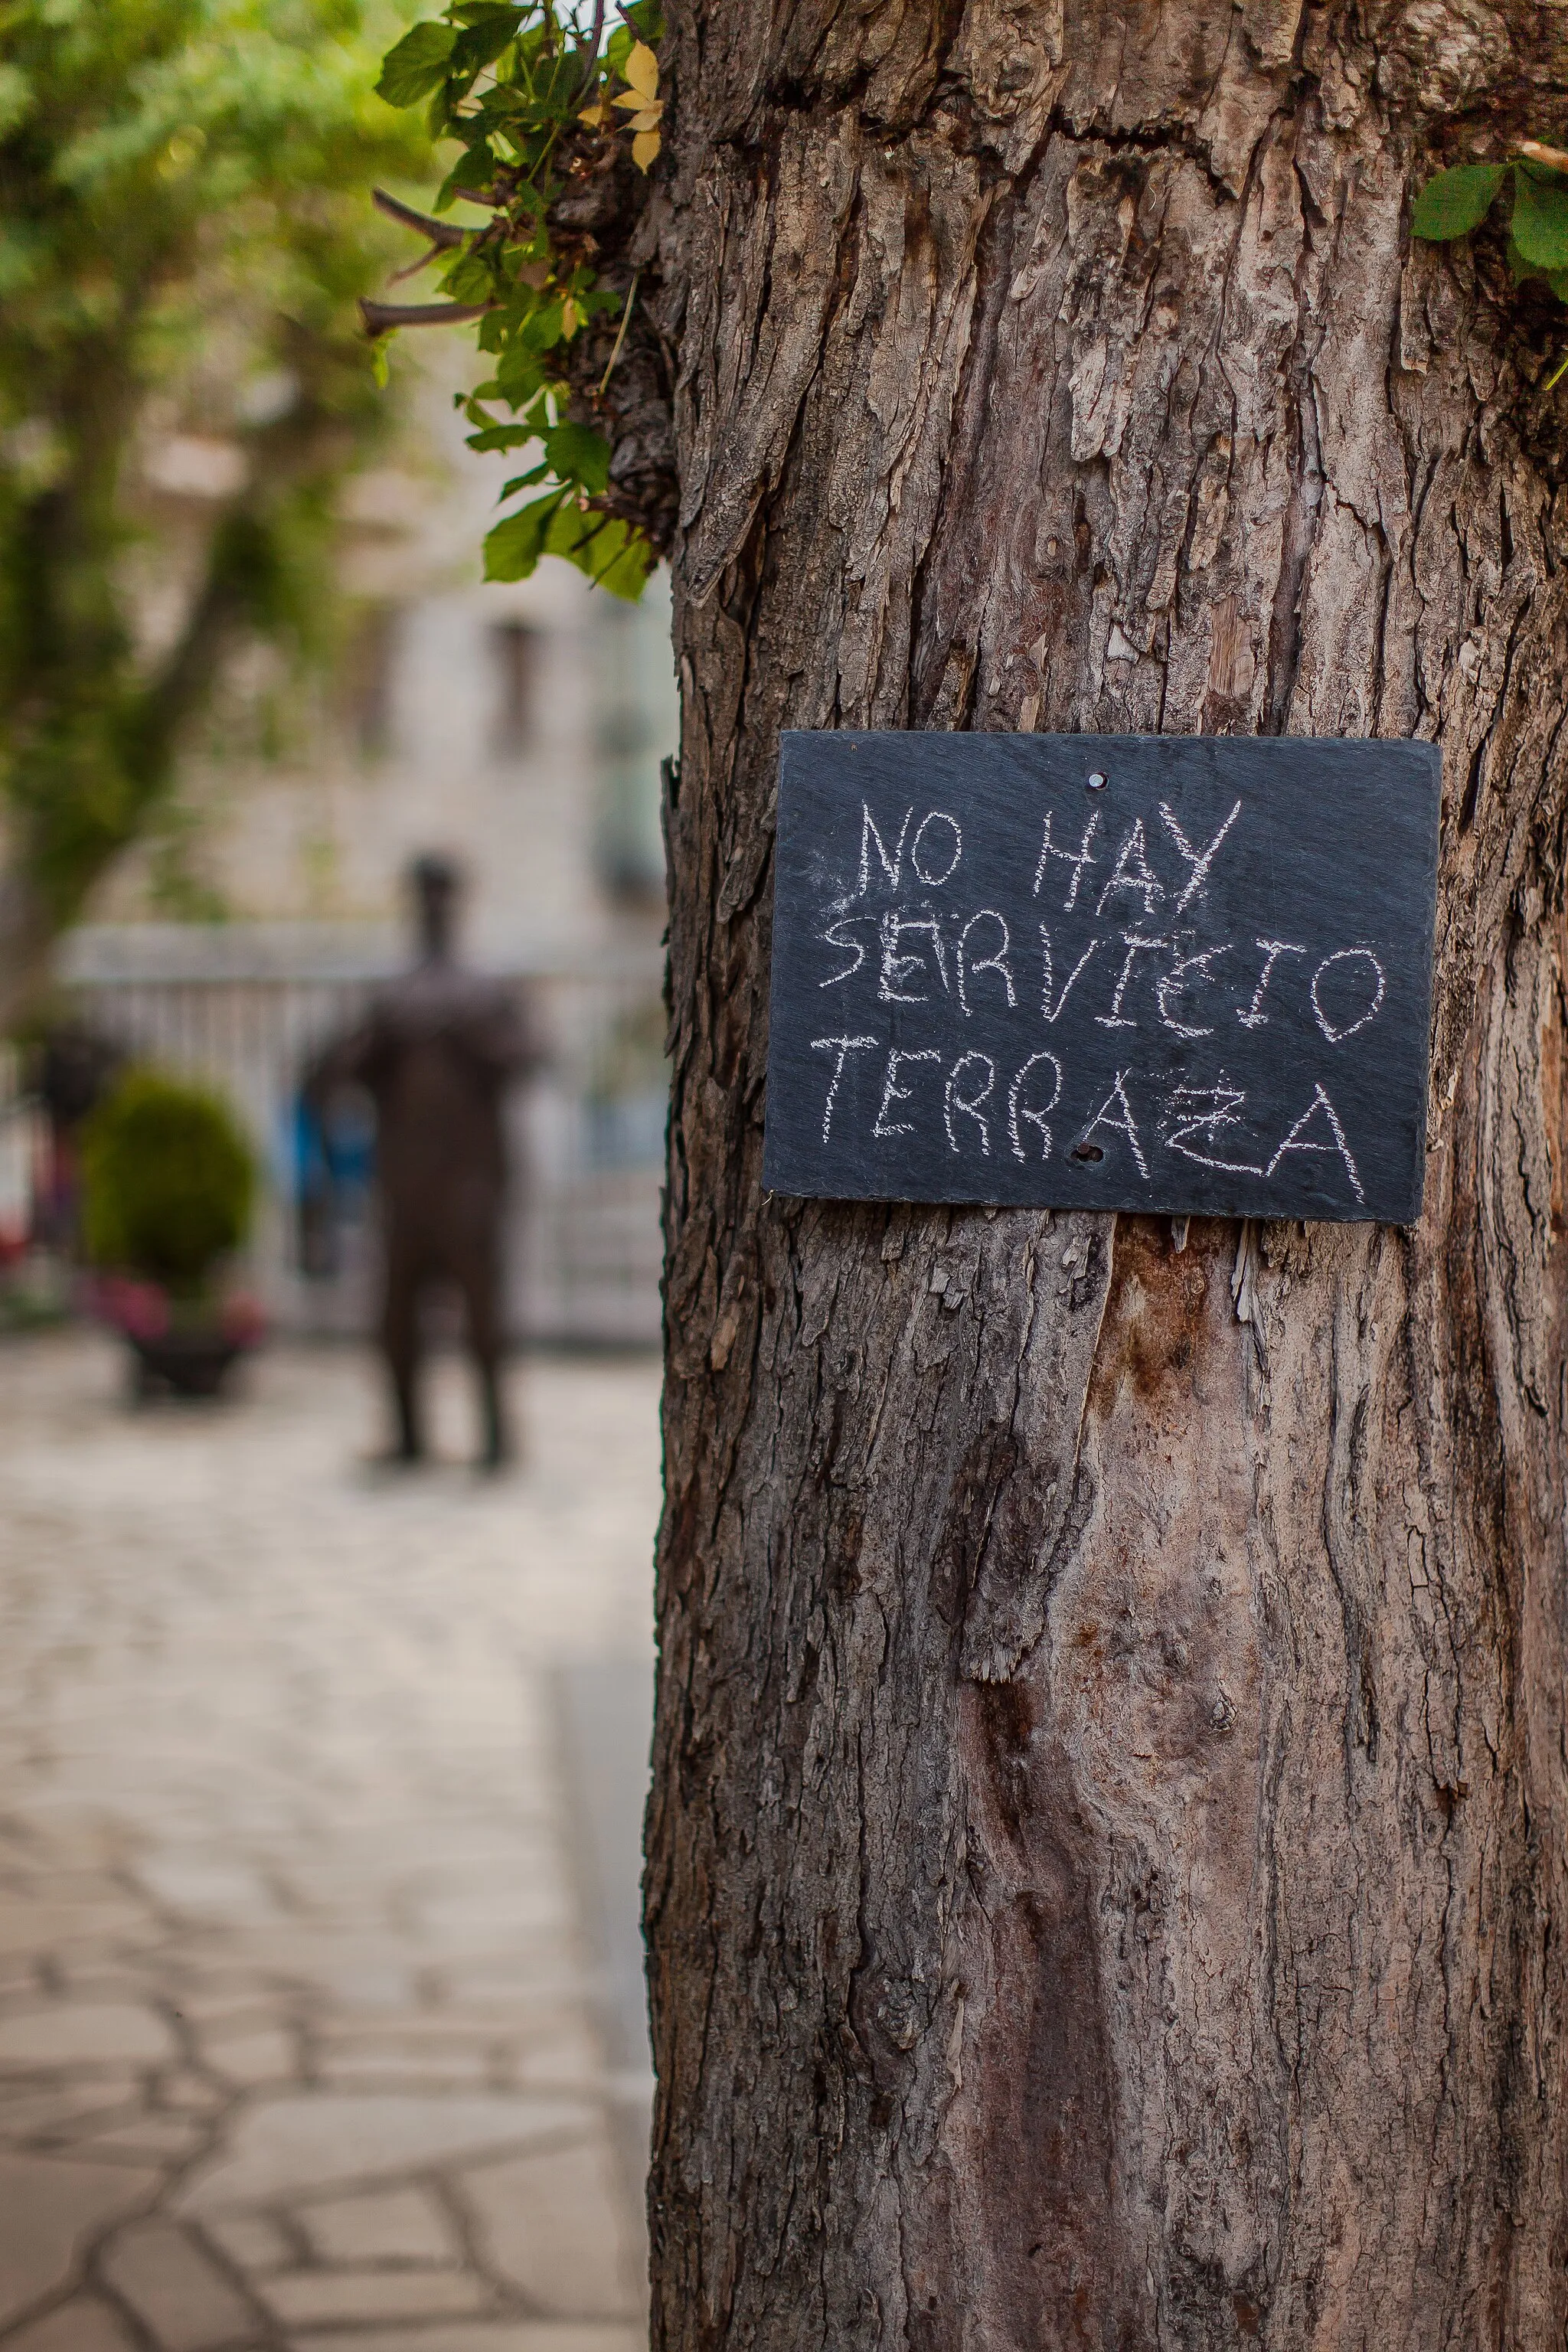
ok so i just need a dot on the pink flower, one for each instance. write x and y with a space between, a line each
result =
139 1309
244 1319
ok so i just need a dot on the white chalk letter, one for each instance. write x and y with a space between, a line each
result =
1126 1125
834 936
1200 860
892 1092
969 1105
1053 1012
1172 985
1135 945
897 968
935 881
1255 1016
1016 1110
1077 859
1133 871
1207 1112
891 867
1320 1102
996 962
843 1047
1347 955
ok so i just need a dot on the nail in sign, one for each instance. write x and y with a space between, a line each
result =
1189 974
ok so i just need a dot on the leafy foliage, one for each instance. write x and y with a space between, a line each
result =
184 226
168 1182
1456 202
538 106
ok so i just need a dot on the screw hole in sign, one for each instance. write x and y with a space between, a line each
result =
1087 1151
1097 782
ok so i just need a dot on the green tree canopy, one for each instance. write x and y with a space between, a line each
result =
184 222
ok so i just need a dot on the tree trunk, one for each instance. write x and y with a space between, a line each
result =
1107 1879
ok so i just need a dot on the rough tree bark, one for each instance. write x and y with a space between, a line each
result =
1107 1879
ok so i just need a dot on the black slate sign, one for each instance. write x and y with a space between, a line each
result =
1182 973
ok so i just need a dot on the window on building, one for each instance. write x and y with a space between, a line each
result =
365 681
515 650
638 726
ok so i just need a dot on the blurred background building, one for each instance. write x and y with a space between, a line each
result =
519 729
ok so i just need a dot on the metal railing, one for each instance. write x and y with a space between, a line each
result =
244 1007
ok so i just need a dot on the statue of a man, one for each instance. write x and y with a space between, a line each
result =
436 1051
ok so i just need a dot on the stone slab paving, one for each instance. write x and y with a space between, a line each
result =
303 2041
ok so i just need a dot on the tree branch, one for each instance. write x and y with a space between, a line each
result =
444 235
381 318
594 37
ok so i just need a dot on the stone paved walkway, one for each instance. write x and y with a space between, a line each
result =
301 2035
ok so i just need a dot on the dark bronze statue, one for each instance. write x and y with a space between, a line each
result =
436 1051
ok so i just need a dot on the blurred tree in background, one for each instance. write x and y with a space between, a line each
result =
184 226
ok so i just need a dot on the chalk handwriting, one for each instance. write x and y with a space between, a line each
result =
1133 871
1077 859
1126 1125
933 854
1054 1012
1203 1124
1199 860
891 867
1293 1142
897 968
949 1020
1135 946
1036 1117
970 967
892 1092
1171 983
843 1047
953 1102
1206 1112
1336 1036
1255 1016
834 938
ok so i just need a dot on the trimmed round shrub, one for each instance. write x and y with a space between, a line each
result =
168 1181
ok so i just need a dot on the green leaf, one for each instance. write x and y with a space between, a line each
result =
1540 218
1558 281
474 169
626 571
518 374
417 64
541 329
470 279
513 548
526 481
485 38
610 552
578 455
1457 202
554 88
501 436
